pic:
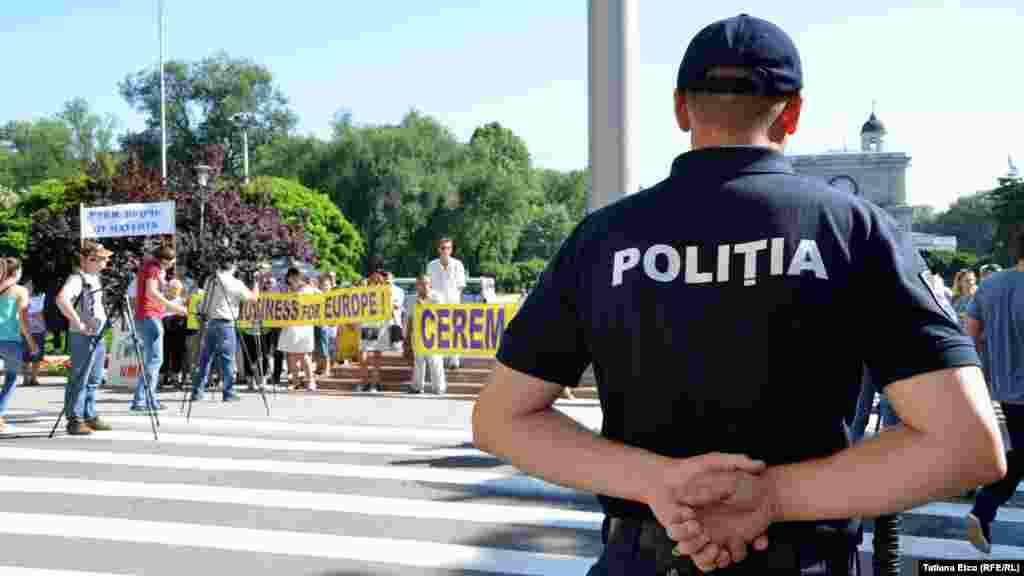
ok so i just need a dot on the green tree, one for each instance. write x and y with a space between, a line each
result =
546 227
13 227
970 219
105 132
207 102
8 197
947 264
405 186
83 125
40 151
495 188
290 157
390 182
567 189
47 197
231 226
1008 208
336 242
6 166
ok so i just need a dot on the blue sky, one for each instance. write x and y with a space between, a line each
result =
948 77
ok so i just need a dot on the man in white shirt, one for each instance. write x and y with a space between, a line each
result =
448 277
81 302
224 293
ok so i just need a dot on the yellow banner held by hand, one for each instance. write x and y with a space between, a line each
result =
460 329
280 309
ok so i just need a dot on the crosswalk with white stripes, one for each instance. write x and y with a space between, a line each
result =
234 496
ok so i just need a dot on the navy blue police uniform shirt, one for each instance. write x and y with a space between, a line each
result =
731 308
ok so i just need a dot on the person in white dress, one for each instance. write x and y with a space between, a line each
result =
297 341
448 277
376 336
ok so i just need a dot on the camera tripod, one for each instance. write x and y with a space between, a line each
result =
126 315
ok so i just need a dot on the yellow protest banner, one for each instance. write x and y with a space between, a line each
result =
279 309
460 329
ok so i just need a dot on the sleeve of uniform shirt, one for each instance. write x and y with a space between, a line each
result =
906 328
546 338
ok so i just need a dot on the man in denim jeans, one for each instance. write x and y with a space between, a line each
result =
150 305
224 293
81 301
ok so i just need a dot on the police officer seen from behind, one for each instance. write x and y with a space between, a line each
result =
709 306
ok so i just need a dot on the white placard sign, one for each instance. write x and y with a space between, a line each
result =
123 371
127 220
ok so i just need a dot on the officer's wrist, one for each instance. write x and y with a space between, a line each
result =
655 471
773 493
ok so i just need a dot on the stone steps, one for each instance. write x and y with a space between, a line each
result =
343 385
396 372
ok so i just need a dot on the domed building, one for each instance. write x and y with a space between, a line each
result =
874 173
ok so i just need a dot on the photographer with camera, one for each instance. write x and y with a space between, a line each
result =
221 301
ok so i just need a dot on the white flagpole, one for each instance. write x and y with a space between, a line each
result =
163 112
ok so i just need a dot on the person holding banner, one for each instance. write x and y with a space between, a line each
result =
424 362
376 338
150 306
255 338
448 277
81 302
298 341
325 334
175 334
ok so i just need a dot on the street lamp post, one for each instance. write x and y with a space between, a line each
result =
203 176
245 153
245 120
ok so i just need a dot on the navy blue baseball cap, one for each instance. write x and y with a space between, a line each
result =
742 42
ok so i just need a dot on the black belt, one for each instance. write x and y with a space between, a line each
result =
825 555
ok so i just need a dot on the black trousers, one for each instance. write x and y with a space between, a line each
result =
270 338
642 548
174 346
254 353
991 497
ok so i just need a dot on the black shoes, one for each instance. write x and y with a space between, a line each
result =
979 533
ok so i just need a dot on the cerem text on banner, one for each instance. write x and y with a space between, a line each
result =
460 329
